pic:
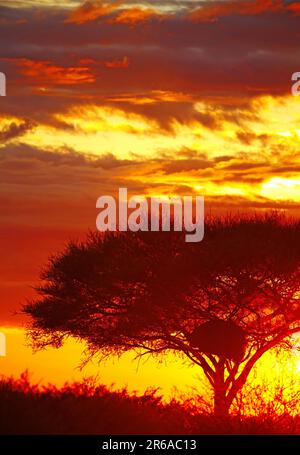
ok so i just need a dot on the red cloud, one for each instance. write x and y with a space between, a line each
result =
215 10
124 63
91 10
45 72
295 8
134 16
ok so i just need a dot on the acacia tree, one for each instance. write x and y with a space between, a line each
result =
150 292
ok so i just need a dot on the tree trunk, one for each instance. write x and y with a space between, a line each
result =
221 407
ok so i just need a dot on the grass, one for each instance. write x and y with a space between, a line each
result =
86 408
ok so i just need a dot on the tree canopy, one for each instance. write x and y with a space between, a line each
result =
151 291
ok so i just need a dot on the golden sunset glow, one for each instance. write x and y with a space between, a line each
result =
282 188
88 130
61 366
163 98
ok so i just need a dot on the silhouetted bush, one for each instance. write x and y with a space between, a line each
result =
87 408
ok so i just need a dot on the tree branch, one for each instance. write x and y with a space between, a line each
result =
240 381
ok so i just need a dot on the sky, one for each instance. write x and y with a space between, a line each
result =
162 97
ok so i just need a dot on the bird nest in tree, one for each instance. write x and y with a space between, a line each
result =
222 338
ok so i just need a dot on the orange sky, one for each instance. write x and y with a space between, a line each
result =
170 375
58 366
161 97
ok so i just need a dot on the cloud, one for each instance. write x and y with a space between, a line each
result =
188 165
45 72
15 130
248 137
23 153
123 63
134 16
172 55
91 10
212 11
294 7
6 21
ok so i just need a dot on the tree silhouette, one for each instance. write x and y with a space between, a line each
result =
222 303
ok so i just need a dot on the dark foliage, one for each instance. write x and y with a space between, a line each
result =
82 408
151 292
